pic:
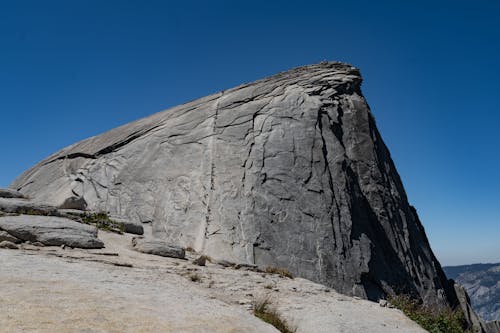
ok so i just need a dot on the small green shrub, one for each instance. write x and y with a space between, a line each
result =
283 272
262 311
103 222
432 318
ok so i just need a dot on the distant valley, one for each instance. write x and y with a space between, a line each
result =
482 282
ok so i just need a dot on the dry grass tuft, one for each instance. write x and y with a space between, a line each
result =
195 277
262 310
283 272
102 221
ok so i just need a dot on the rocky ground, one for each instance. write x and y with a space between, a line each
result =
117 289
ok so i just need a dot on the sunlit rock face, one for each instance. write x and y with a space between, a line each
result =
287 171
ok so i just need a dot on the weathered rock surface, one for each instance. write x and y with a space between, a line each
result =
77 203
157 247
8 245
50 230
129 226
9 193
21 206
288 171
482 283
92 291
5 236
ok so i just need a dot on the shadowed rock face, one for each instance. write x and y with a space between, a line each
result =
287 171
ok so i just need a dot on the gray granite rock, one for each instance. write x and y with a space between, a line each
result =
5 236
8 245
157 247
289 171
72 212
129 226
52 231
73 202
9 193
24 206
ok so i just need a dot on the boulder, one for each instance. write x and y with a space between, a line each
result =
8 193
200 261
73 202
5 236
23 206
157 247
51 231
129 226
8 245
133 228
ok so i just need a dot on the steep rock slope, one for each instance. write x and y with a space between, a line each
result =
287 171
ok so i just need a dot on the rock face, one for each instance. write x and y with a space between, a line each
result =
50 230
288 171
482 283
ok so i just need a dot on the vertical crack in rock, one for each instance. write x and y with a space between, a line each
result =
324 150
212 148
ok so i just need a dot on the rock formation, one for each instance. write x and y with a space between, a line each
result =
289 171
51 230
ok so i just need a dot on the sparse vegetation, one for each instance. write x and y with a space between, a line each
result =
283 272
32 211
195 277
201 260
262 310
103 222
432 318
189 249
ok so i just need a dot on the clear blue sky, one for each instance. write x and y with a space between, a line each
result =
72 69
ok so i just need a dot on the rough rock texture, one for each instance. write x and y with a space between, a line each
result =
8 193
129 226
121 290
20 206
8 245
5 236
50 230
77 203
157 247
288 171
482 282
